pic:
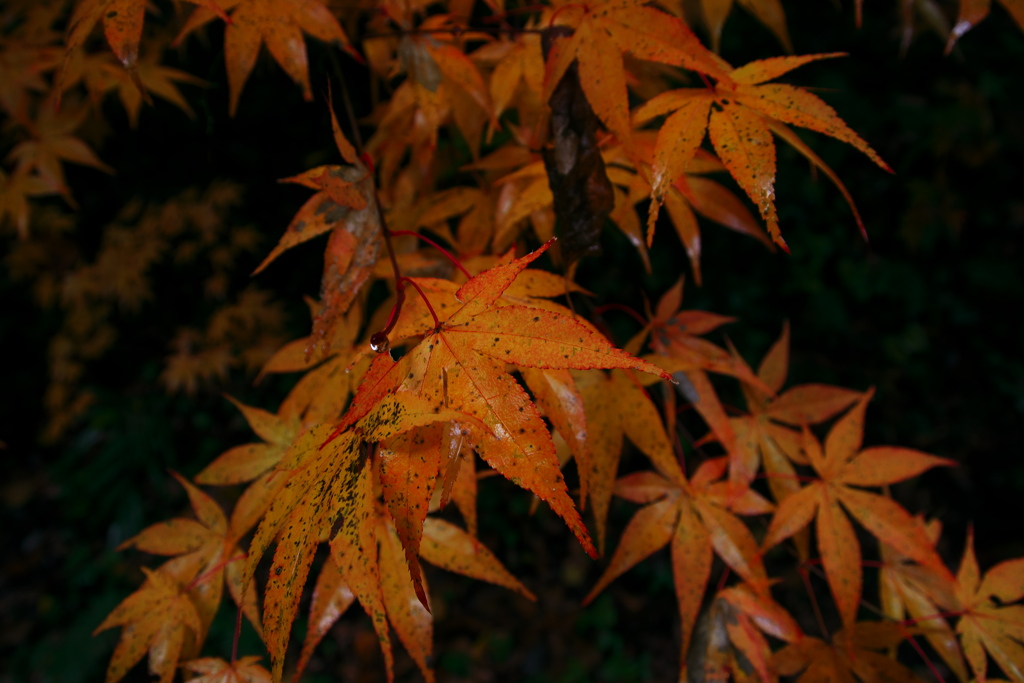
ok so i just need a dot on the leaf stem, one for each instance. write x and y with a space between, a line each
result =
927 660
435 245
437 323
572 5
802 570
624 309
210 572
238 635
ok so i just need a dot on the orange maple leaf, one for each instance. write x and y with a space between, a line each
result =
681 351
172 612
157 79
908 588
995 626
52 143
762 439
460 364
697 518
690 193
122 25
15 189
617 406
842 467
346 205
444 545
603 31
158 618
22 65
318 480
207 552
278 25
739 116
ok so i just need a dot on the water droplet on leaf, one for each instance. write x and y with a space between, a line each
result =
379 342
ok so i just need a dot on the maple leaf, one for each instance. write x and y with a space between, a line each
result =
852 655
617 406
318 480
841 467
907 588
691 193
51 143
323 392
475 210
676 333
216 670
157 79
22 65
760 436
995 626
674 336
15 189
278 25
431 62
122 26
444 545
694 517
739 117
207 550
157 618
346 205
460 365
602 31
521 65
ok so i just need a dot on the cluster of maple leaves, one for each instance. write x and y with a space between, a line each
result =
493 368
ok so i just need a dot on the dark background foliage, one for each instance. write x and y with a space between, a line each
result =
929 313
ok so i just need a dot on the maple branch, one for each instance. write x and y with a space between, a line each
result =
379 341
435 245
353 122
